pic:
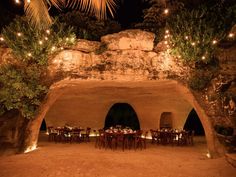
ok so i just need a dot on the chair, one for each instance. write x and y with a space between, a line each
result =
138 140
85 136
155 136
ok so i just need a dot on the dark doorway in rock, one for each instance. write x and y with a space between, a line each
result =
43 126
166 120
122 114
193 123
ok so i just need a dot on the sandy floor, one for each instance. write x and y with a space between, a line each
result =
69 160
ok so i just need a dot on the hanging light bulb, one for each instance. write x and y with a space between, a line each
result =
28 1
46 38
203 57
40 42
193 43
167 31
29 54
231 35
53 48
17 1
186 37
166 11
1 39
214 42
166 42
48 31
19 34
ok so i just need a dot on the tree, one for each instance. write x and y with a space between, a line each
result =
37 10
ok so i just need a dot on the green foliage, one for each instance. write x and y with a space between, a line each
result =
199 79
87 27
31 45
20 89
193 31
155 18
23 84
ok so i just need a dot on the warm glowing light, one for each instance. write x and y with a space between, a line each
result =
31 148
167 31
166 36
19 34
203 57
208 155
62 48
53 48
214 41
179 56
28 1
48 31
17 1
166 11
1 39
46 38
166 42
72 39
67 39
231 35
193 43
186 37
29 54
40 42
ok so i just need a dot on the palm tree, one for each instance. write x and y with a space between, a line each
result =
37 10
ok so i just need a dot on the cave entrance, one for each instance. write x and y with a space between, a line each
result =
166 120
122 114
193 123
43 126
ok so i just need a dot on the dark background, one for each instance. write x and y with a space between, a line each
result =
127 13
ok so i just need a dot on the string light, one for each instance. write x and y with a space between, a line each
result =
62 48
48 31
19 34
29 54
166 36
186 37
1 39
214 41
17 1
166 11
167 31
28 1
46 38
193 43
231 35
53 48
166 42
67 39
40 42
203 57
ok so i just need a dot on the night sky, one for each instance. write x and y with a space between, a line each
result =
128 12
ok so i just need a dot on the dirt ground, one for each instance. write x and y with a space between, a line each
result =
83 159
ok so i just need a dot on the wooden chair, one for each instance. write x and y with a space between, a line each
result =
85 136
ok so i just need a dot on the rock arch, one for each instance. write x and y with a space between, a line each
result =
127 56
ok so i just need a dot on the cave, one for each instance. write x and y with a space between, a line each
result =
193 123
122 114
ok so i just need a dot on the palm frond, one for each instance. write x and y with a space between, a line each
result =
37 13
96 7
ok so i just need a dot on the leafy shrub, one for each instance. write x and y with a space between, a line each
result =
199 80
32 45
226 131
87 27
23 84
196 32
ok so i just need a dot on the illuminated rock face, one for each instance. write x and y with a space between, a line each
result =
129 40
127 55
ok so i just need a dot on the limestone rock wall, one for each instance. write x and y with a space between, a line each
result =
127 55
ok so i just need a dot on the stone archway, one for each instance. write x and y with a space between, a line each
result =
122 114
57 90
129 56
166 120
